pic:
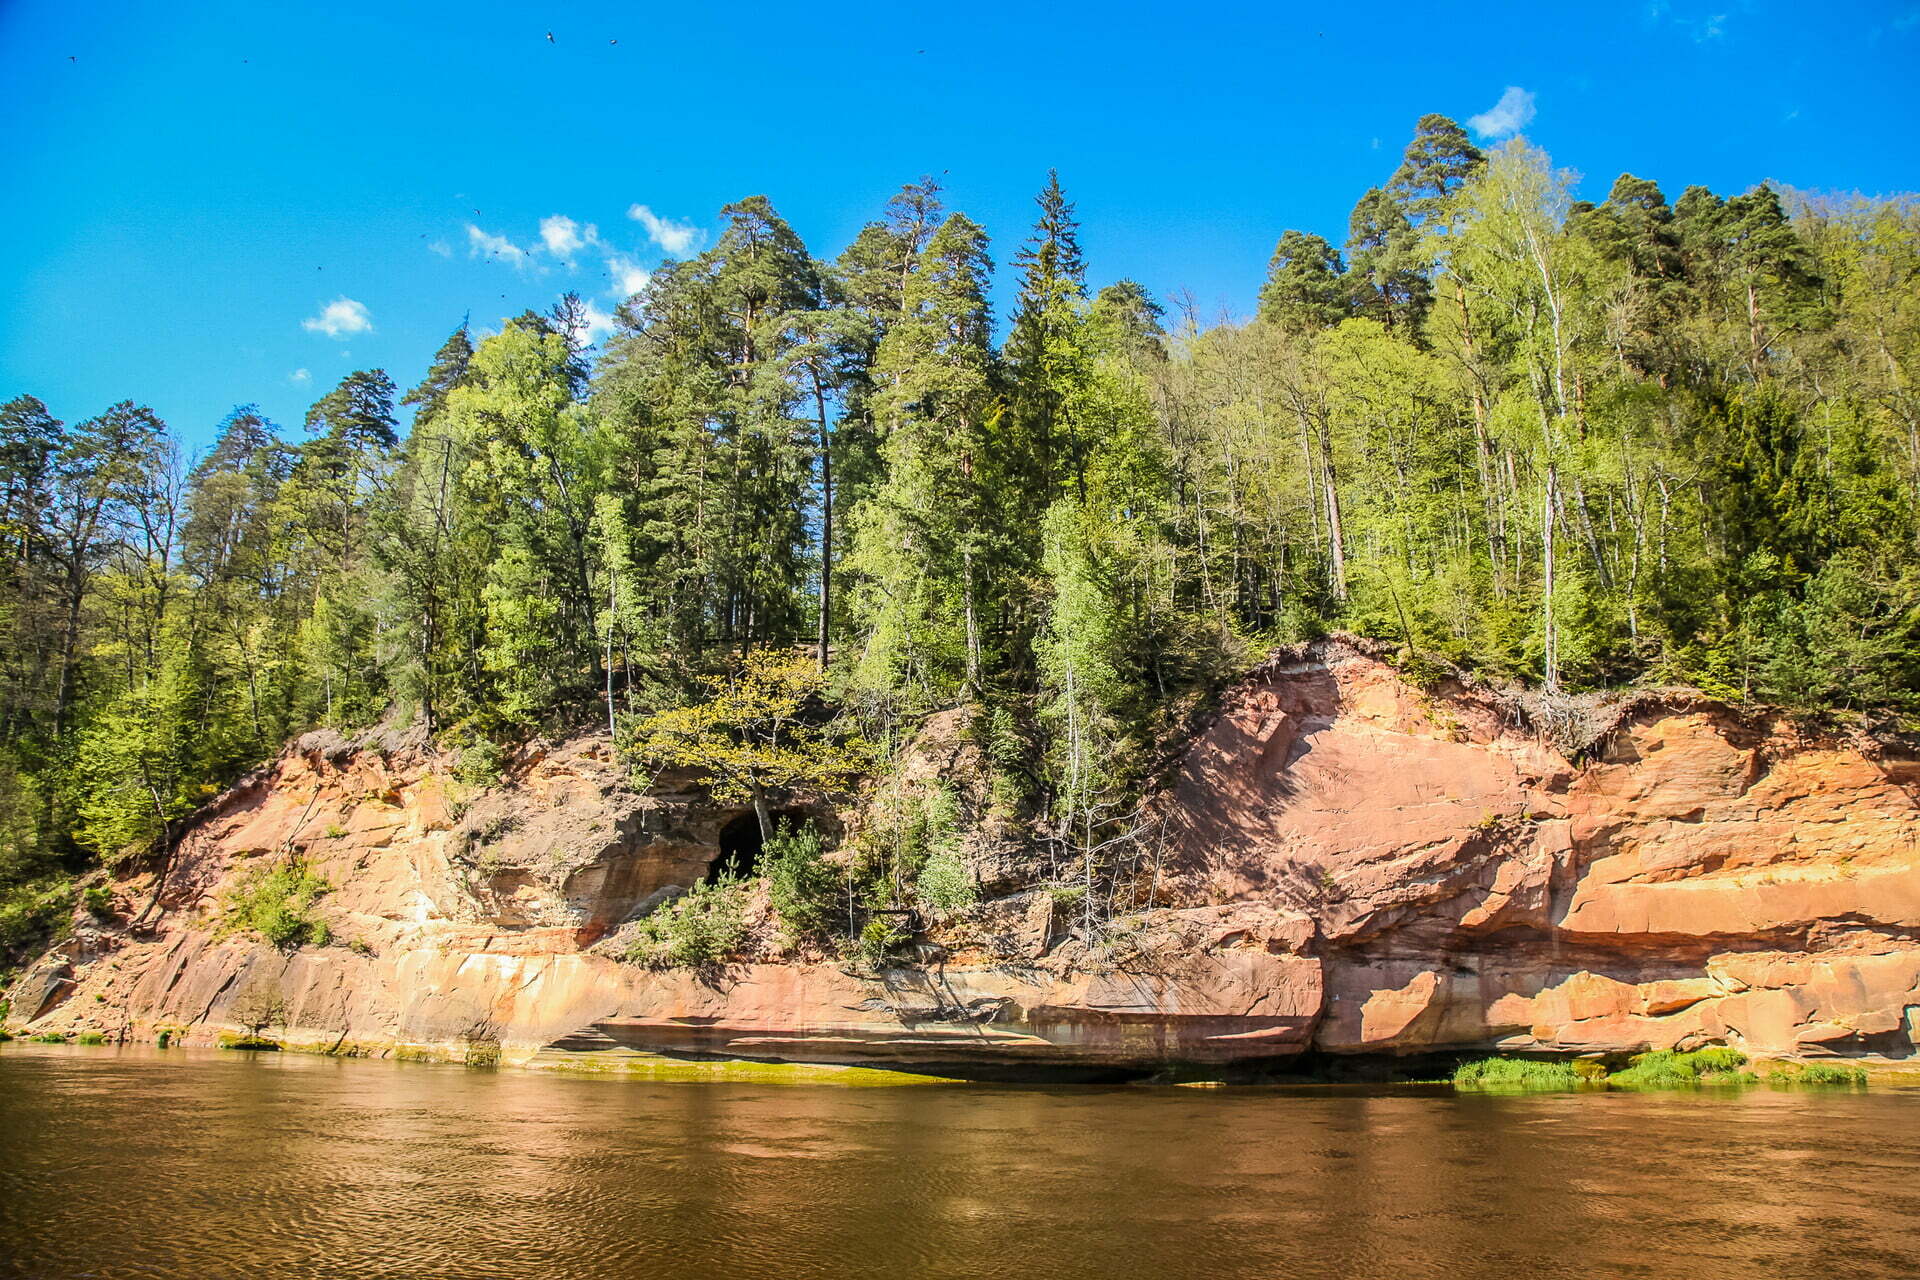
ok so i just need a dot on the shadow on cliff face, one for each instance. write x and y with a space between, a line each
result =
741 842
1236 779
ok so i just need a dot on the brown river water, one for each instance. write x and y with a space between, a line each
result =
198 1164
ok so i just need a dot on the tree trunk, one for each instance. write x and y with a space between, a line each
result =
826 522
973 623
761 813
1551 658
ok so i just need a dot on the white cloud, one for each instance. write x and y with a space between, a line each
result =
598 322
484 244
564 237
629 277
676 238
1506 117
300 377
1711 28
441 247
339 318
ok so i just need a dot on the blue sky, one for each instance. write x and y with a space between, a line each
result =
216 203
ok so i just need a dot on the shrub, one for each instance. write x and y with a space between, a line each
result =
482 762
98 901
946 883
1422 669
1669 1068
703 926
50 1037
257 1007
31 910
276 903
1719 1060
879 939
805 891
90 1037
1490 1075
249 1042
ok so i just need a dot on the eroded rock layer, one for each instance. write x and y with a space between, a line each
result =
1350 866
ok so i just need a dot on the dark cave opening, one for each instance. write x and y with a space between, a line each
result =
741 844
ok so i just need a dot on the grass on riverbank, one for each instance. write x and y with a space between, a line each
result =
1495 1075
1660 1069
1821 1073
1672 1069
257 1043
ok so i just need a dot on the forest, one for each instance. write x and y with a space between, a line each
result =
1581 444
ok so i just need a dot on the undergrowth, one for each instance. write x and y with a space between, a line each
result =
1500 1074
1820 1073
702 927
1660 1069
277 903
1672 1069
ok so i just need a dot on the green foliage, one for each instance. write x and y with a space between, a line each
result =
946 884
756 732
98 900
1819 1073
806 892
1669 1069
701 928
257 1044
880 940
482 762
90 1037
276 903
32 909
1500 1075
1662 1069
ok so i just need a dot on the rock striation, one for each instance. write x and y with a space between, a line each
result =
1351 865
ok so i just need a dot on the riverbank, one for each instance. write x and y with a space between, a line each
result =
1347 865
1644 1072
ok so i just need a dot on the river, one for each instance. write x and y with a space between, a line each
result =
136 1162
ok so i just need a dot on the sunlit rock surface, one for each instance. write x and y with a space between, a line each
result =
1351 865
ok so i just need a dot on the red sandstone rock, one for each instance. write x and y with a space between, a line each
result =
1354 866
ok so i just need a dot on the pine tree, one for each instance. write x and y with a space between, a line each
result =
1305 288
923 537
1385 271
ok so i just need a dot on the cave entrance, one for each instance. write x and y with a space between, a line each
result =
741 843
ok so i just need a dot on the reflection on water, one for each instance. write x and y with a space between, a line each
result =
134 1163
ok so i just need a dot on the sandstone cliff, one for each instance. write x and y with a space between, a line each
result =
1346 865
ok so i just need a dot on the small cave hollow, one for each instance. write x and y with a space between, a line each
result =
741 843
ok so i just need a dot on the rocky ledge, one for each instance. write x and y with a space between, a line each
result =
1349 865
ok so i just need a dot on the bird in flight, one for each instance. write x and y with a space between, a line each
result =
549 37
